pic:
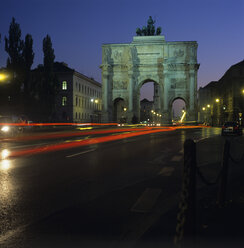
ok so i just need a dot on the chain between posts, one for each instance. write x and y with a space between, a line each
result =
236 161
186 217
204 180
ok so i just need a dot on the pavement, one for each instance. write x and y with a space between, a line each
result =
125 220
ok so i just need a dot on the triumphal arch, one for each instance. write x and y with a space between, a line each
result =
172 66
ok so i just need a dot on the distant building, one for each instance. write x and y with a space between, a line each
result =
146 108
223 100
79 97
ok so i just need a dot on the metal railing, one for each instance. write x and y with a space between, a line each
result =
186 218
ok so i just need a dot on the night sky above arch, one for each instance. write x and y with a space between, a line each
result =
79 28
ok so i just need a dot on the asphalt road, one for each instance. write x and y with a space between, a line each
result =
80 180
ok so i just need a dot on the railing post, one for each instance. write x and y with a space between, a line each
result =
186 218
224 178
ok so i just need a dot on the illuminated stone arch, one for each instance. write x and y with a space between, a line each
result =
171 65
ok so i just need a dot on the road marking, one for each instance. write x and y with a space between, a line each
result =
22 146
166 171
80 153
146 201
176 158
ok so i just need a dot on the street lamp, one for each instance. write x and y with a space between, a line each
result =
203 108
125 109
217 100
3 76
208 105
243 91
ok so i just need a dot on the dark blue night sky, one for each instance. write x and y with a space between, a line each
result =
78 28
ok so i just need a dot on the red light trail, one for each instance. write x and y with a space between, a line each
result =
91 141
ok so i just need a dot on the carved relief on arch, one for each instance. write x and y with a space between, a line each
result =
120 85
178 83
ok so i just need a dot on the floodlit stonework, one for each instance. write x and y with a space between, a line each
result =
126 67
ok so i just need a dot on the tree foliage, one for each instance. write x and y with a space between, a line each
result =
14 47
28 54
48 61
19 64
49 83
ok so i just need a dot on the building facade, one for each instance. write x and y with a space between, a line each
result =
223 100
79 97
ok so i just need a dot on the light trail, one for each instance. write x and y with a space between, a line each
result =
91 141
73 134
57 124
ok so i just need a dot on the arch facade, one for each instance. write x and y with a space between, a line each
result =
172 66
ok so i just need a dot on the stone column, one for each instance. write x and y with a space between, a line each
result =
166 118
105 98
131 96
192 115
192 90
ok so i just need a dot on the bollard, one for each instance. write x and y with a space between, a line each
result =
186 218
224 178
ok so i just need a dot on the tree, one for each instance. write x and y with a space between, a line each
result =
28 53
50 85
28 58
48 61
14 47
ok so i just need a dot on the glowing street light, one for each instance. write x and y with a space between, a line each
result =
96 100
203 108
208 105
217 100
243 91
3 76
125 109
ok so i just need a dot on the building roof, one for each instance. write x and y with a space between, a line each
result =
236 70
61 67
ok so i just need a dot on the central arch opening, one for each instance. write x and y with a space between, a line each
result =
149 102
178 110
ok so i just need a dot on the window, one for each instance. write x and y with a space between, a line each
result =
64 101
64 85
76 101
79 87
